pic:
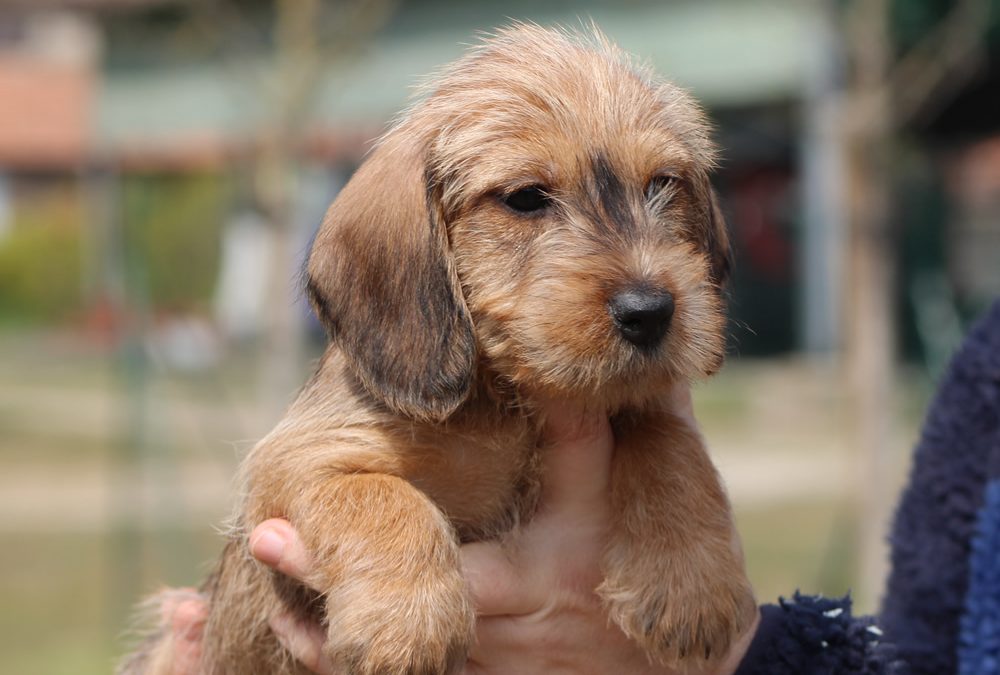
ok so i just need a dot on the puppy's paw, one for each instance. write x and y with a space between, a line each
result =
390 627
682 612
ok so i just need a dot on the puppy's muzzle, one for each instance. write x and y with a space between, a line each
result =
642 315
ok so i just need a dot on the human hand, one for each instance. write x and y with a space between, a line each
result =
534 593
537 610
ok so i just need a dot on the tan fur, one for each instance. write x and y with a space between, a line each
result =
451 315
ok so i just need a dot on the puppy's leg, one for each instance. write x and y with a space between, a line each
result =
388 566
674 578
242 597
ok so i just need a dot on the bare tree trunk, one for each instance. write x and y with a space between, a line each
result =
870 349
296 59
300 62
886 93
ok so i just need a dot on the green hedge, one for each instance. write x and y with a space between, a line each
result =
169 243
40 268
172 238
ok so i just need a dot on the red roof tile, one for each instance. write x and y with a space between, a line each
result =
45 117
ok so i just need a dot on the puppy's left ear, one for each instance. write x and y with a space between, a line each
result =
382 280
713 234
720 250
715 242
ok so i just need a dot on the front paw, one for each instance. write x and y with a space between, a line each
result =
683 610
392 627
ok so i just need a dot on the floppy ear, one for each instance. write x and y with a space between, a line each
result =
720 251
712 237
380 278
712 232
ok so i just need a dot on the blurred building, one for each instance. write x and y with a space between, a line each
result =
153 92
48 77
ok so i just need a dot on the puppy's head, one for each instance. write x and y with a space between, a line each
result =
545 209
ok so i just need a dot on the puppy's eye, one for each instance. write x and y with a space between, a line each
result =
660 184
531 199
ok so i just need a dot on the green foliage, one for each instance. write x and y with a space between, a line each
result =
170 245
40 268
172 238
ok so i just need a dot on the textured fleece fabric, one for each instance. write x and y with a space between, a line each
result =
945 556
812 635
979 628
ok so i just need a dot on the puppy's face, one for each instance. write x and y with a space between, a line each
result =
566 233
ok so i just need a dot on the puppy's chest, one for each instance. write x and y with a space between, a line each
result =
485 482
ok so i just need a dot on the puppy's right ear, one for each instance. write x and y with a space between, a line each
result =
382 281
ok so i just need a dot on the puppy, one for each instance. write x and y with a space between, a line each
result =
541 225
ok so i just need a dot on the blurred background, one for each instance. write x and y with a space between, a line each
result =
165 163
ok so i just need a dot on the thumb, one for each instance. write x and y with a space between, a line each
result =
576 458
276 544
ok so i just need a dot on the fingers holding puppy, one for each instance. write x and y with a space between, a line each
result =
276 544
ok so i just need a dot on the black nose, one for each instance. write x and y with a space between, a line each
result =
642 315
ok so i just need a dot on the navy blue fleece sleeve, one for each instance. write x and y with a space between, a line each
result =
935 524
812 635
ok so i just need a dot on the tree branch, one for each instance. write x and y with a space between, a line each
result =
930 73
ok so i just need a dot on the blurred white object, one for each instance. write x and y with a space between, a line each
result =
241 293
6 209
64 37
185 343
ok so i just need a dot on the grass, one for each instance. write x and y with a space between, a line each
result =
68 596
798 546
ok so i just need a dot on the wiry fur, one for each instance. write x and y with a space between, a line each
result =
451 315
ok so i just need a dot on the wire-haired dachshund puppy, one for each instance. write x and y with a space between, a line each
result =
540 225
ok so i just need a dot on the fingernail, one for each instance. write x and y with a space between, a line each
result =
268 547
